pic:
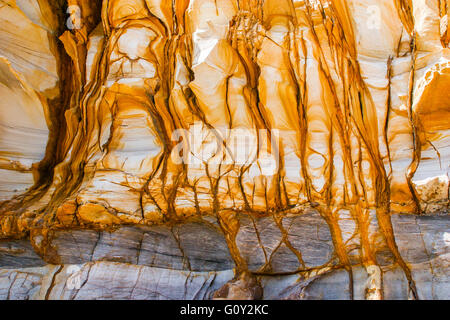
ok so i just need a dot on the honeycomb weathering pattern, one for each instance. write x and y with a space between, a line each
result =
159 113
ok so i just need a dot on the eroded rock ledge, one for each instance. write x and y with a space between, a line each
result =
200 149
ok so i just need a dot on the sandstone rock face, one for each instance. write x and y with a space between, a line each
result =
224 149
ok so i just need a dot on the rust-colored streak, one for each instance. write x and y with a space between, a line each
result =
138 73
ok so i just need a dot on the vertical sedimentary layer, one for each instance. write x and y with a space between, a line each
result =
286 138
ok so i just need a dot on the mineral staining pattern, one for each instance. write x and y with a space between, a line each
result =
243 149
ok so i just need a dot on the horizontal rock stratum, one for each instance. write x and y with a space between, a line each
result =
224 149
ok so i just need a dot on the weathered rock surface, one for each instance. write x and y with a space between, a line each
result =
223 149
160 263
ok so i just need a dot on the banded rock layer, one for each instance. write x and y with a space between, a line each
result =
197 149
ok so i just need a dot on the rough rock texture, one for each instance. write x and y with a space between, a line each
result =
224 149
